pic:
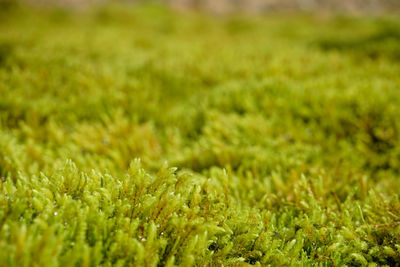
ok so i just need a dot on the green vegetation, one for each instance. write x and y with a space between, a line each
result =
145 137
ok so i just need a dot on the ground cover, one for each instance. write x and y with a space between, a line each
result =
146 137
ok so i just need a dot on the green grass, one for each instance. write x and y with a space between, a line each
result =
145 137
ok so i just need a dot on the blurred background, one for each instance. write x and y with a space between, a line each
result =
251 6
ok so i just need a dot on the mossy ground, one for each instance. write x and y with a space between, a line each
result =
145 137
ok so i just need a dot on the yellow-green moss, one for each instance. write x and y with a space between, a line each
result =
139 136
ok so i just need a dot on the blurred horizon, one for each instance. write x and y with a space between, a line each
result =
238 6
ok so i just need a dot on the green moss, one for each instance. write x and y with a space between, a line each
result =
139 136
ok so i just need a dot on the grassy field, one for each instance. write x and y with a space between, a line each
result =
145 137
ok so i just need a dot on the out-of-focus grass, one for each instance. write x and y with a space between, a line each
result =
284 132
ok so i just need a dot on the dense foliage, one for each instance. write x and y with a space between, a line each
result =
144 137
